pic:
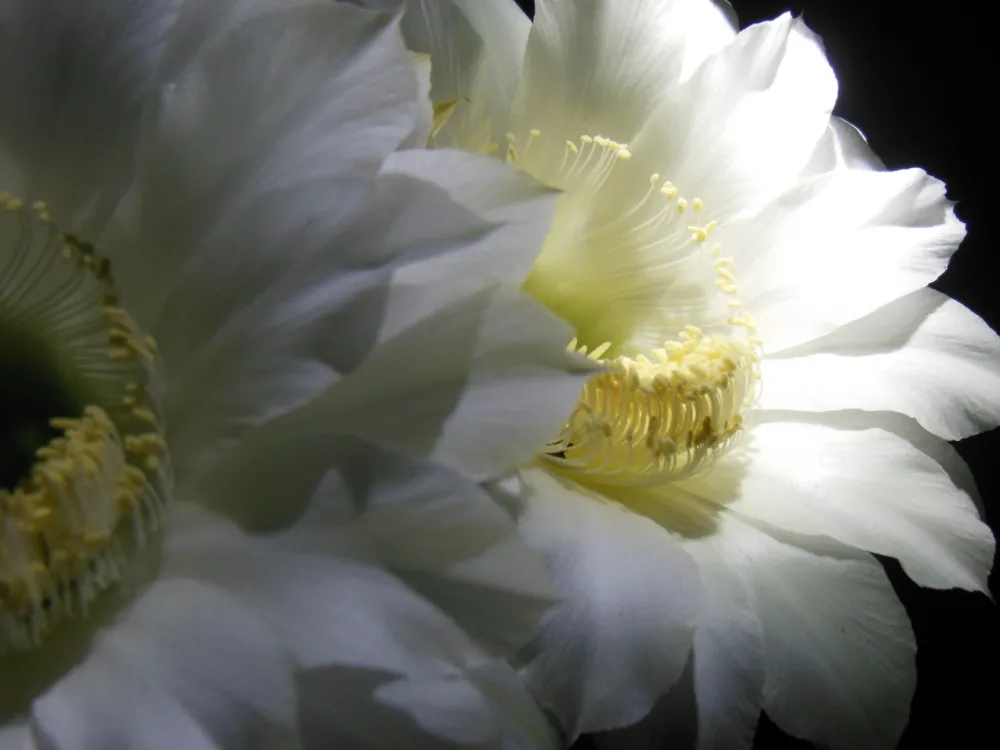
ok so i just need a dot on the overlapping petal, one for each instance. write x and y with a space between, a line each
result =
425 560
923 355
819 480
882 235
716 136
253 243
496 389
600 67
74 80
254 153
840 667
632 598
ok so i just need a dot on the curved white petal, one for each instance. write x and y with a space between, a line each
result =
519 209
924 355
489 709
17 734
843 146
519 718
744 125
837 247
322 316
456 709
631 597
434 531
600 67
369 580
202 23
486 380
868 488
252 158
105 704
74 77
839 649
717 702
186 665
476 50
729 658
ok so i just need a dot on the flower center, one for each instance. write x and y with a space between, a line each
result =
85 471
652 420
621 264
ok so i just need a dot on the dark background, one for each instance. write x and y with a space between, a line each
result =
919 84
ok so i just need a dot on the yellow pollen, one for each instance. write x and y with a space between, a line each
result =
106 469
658 418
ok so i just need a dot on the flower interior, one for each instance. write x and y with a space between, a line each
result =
85 468
625 264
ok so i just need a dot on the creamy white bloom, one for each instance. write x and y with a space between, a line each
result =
778 376
204 224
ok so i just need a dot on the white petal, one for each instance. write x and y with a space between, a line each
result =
869 488
437 532
476 378
843 146
338 706
718 700
202 23
837 247
520 208
923 355
741 129
476 50
729 658
455 709
451 709
106 704
838 644
252 157
520 721
74 81
299 581
632 595
492 710
185 666
17 734
301 595
204 647
316 318
601 67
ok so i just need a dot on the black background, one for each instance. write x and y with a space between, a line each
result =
919 84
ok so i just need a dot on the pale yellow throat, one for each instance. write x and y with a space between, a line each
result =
617 247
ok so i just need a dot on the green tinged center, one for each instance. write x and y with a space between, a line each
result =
34 392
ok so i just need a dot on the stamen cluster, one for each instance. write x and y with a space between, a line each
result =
61 530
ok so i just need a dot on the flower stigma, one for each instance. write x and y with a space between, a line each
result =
662 410
85 469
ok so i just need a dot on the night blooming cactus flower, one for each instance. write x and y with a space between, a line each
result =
205 222
778 381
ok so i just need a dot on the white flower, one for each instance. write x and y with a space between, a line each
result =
778 376
186 558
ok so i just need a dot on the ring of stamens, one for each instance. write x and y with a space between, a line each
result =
61 526
650 420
